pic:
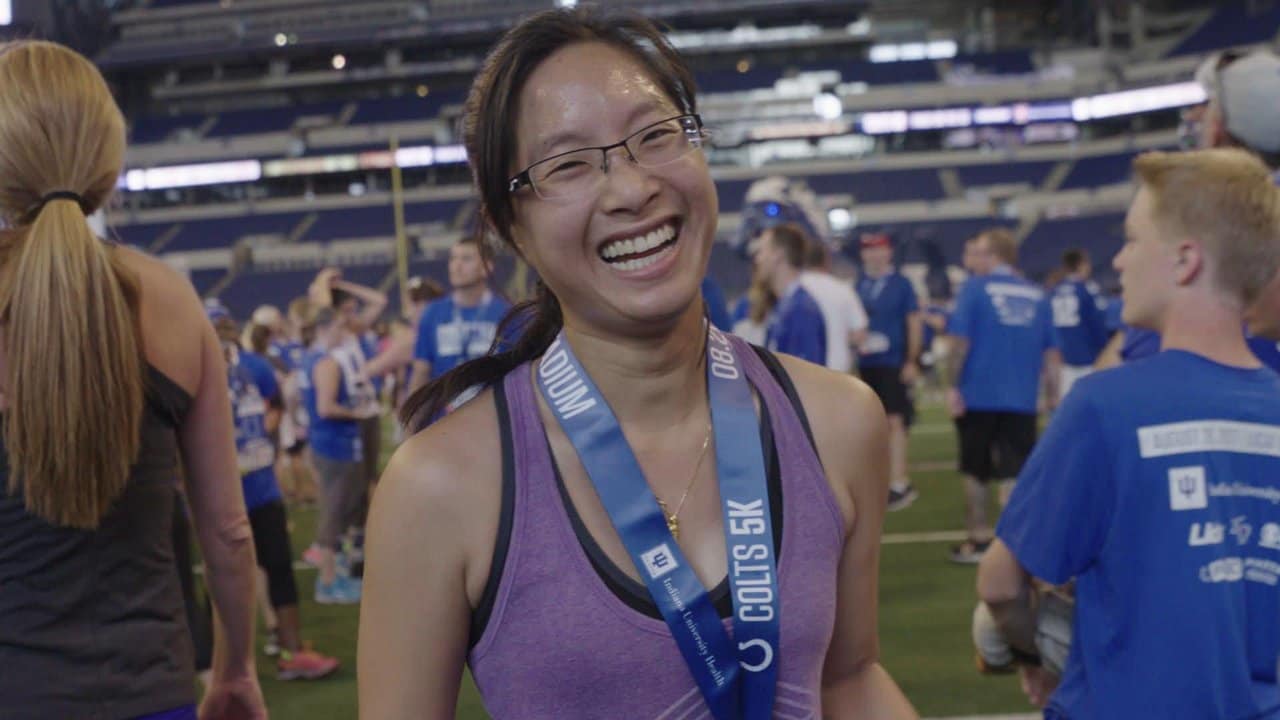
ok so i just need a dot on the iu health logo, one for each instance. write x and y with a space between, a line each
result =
659 561
1187 488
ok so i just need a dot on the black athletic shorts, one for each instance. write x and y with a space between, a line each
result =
995 445
888 386
271 542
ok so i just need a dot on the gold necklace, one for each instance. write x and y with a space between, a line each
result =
673 518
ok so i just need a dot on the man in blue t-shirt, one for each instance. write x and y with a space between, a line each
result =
462 325
1157 485
1079 319
1001 338
889 357
796 326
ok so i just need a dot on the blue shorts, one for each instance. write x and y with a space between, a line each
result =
186 712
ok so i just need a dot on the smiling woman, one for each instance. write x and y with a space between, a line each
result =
567 533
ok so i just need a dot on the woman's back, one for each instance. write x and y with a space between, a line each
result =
94 622
107 368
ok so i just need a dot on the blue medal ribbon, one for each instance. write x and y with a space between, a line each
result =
736 682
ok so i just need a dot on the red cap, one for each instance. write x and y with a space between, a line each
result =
870 240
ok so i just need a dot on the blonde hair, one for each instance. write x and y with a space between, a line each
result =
1002 243
74 375
1226 199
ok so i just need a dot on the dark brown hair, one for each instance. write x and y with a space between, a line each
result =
424 289
1072 259
489 131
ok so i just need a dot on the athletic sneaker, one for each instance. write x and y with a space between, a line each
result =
311 555
271 648
306 664
342 591
901 496
969 552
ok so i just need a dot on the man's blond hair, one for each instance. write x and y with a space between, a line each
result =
1224 198
1002 243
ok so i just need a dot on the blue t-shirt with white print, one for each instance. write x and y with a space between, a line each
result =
1079 320
449 335
253 389
1157 487
1006 320
798 328
335 438
888 300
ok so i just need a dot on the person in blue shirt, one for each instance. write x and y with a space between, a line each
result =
1127 343
889 357
1001 338
1079 319
796 326
338 397
717 308
1157 485
462 325
256 406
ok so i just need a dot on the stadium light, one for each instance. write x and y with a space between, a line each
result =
566 3
339 61
6 12
827 106
840 219
178 176
281 39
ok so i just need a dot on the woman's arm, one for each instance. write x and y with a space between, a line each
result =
853 440
374 301
218 512
431 534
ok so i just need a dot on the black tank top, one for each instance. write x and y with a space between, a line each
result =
92 625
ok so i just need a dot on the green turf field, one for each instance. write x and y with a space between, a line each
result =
925 606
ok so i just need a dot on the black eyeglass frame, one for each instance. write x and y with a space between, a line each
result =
523 178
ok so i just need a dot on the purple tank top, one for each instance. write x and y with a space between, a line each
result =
559 643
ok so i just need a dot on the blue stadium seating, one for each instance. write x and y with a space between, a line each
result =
407 108
1232 24
1031 173
880 186
158 128
143 235
224 232
731 193
204 280
248 122
894 73
279 288
1004 62
732 81
1101 170
1101 236
377 221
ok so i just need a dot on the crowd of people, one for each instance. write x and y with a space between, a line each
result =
619 471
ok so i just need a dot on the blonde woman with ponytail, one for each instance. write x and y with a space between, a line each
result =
110 376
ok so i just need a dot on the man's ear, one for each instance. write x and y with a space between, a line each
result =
1189 261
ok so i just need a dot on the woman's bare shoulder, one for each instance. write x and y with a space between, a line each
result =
445 485
849 427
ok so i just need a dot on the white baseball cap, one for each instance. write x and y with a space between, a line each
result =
1247 92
